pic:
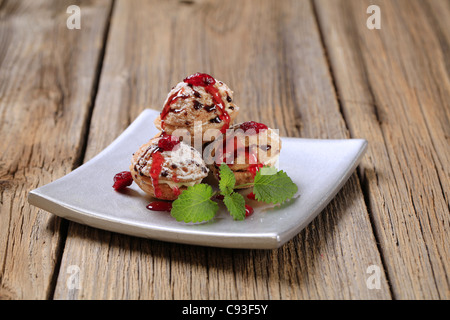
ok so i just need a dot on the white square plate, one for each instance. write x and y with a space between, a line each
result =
318 167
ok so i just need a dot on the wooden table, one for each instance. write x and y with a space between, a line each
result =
312 69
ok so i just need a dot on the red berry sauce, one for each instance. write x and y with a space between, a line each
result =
231 148
252 125
155 171
254 166
122 180
251 196
248 210
220 197
166 109
159 206
200 79
167 142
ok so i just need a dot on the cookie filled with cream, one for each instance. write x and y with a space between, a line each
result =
245 148
164 167
198 103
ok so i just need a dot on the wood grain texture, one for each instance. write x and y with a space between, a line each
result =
394 89
271 55
47 73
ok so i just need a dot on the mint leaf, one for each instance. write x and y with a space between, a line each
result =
194 204
273 188
227 179
235 204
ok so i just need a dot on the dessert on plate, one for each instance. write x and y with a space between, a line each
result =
164 167
245 148
197 104
196 130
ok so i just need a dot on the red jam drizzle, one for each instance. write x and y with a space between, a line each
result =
166 109
168 142
254 168
200 79
224 116
206 81
248 210
159 206
251 196
236 146
252 125
155 171
165 143
220 197
176 191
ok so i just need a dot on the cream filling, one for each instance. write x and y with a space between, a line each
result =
173 184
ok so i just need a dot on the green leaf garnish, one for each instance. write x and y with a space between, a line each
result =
227 180
235 203
273 188
195 204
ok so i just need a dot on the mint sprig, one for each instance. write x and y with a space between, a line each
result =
273 188
195 204
227 180
235 203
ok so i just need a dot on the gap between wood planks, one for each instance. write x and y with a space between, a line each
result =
79 159
362 181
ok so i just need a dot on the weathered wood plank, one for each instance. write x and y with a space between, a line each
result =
393 85
270 54
47 73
